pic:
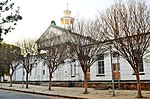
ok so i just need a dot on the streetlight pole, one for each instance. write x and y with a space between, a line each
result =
22 77
113 85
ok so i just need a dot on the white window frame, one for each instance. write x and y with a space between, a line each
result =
101 59
73 70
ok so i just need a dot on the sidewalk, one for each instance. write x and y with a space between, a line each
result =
75 92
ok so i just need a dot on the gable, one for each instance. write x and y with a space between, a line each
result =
56 35
52 31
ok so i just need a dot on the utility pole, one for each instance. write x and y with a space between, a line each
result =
113 85
22 77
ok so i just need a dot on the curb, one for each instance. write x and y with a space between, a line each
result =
62 96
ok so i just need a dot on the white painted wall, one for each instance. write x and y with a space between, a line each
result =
63 72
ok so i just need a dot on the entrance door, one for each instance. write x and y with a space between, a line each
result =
116 73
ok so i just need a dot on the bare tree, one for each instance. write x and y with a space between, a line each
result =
129 25
55 52
54 57
85 46
30 56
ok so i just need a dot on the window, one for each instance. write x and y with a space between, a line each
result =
116 67
100 57
43 72
23 72
101 69
73 70
115 55
44 63
137 59
141 68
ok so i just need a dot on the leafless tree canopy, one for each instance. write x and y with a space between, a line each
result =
28 46
88 28
86 45
128 24
55 55
29 52
123 20
55 48
30 56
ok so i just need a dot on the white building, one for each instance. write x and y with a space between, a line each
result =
71 71
100 71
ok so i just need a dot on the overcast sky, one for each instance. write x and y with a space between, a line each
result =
38 14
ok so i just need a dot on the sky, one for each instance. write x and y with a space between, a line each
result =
38 14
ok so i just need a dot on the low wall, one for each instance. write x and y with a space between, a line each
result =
96 85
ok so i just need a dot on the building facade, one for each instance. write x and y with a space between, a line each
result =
100 71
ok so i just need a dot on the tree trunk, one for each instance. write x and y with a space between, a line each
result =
27 80
138 85
10 80
85 83
50 81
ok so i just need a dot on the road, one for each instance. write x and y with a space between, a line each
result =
5 94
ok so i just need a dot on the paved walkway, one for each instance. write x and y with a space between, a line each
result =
75 92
